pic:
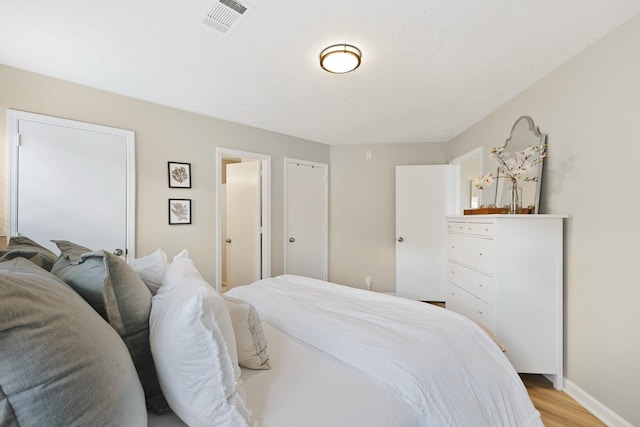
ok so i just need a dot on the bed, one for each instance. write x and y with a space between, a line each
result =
347 357
86 339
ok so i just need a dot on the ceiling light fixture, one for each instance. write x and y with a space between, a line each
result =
340 58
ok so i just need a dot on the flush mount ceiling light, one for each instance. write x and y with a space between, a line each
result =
340 58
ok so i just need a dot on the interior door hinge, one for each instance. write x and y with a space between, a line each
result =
18 140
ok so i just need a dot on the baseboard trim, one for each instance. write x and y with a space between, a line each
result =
593 405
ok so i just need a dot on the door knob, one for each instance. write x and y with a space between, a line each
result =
228 240
118 252
291 239
400 239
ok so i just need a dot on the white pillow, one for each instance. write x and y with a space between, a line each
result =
151 269
250 340
194 350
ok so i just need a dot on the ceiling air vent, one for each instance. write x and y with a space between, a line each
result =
226 15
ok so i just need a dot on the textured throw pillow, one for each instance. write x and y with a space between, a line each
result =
22 246
151 269
250 340
61 364
115 291
195 351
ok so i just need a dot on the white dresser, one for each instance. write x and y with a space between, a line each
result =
505 272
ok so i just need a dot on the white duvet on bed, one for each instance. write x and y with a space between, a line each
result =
305 387
443 365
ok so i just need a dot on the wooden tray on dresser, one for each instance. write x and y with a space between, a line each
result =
495 211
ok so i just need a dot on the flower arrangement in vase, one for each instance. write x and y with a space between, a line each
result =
515 168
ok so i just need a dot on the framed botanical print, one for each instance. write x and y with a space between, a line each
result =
179 175
179 211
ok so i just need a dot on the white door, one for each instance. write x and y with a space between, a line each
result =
306 213
243 238
72 181
424 196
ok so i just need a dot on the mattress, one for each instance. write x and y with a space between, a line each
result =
306 387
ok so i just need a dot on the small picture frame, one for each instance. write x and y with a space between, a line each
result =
179 175
179 211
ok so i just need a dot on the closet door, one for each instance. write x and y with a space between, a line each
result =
72 181
306 218
424 196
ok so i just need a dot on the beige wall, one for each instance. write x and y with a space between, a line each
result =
590 109
362 209
162 134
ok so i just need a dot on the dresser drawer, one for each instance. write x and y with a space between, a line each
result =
458 300
455 227
476 283
475 252
485 315
463 302
484 229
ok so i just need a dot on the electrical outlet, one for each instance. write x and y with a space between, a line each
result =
367 280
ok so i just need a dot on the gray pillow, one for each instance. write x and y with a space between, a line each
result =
60 363
22 246
115 291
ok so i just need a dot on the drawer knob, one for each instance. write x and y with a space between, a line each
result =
480 284
480 253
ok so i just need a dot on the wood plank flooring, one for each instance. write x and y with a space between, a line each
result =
557 408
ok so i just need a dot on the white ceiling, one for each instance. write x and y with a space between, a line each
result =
430 68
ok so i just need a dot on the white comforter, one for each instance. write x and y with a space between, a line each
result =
442 364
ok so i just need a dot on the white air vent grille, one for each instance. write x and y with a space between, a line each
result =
226 15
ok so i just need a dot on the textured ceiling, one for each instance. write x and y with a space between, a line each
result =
430 68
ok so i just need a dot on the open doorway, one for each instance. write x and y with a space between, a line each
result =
243 206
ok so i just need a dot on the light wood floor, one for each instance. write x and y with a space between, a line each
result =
557 408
